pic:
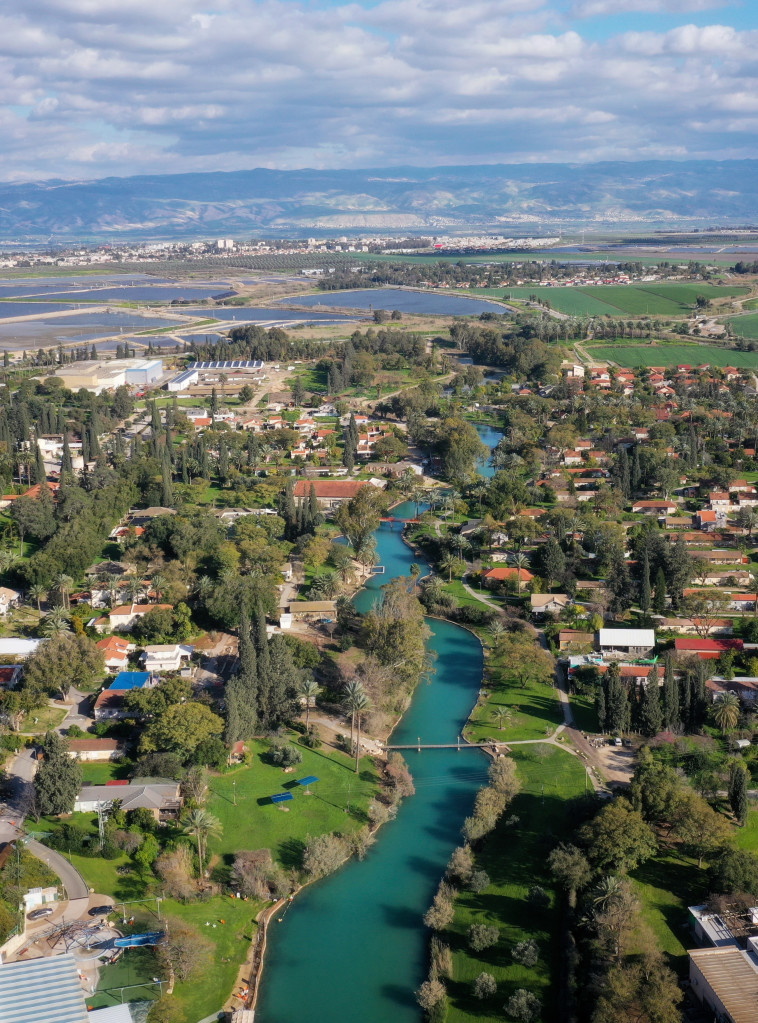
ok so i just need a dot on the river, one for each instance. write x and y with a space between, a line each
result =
491 436
353 946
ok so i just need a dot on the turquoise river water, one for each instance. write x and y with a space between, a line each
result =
353 946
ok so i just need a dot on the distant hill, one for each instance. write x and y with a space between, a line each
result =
522 198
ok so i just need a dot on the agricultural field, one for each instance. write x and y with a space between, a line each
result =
620 299
631 356
745 326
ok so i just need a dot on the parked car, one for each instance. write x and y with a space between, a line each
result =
40 914
617 742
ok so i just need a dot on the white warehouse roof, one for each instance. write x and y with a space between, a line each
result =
46 989
627 637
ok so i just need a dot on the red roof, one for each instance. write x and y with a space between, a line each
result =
717 646
329 488
505 572
92 745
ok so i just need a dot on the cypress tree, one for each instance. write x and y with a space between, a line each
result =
600 706
651 717
314 511
281 678
659 595
670 695
167 487
624 478
636 471
616 702
185 473
738 799
223 461
645 584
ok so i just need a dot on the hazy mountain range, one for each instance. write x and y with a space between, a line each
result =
523 198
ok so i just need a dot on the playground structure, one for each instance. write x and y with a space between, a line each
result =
139 940
70 936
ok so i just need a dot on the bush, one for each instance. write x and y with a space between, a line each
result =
526 952
478 881
538 897
485 986
481 936
523 1005
286 755
311 739
75 732
324 854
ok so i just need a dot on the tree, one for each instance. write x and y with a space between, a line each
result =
521 657
430 994
503 777
671 712
618 838
552 562
726 711
308 689
659 594
701 830
201 825
481 936
58 778
738 799
651 715
442 910
57 622
182 728
485 986
734 870
361 704
184 950
524 1005
324 854
571 867
526 952
615 704
645 584
62 663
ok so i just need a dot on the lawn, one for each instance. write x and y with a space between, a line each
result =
534 712
515 857
585 715
745 326
630 356
43 720
257 823
100 773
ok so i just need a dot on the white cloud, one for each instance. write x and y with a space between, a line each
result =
101 86
598 8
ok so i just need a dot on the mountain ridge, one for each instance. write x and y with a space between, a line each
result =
434 200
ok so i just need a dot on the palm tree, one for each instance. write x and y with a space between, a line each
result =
447 564
478 491
201 824
353 690
360 705
37 592
606 892
328 583
520 561
56 623
502 715
158 584
726 711
64 584
8 560
309 690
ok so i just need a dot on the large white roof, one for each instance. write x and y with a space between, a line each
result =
627 637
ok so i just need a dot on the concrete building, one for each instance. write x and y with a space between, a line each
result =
97 376
18 648
183 381
93 749
166 657
725 980
330 494
123 617
161 798
626 642
49 990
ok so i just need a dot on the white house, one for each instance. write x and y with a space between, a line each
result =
161 799
123 617
165 657
8 598
93 749
626 642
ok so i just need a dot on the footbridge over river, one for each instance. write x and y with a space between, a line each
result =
497 748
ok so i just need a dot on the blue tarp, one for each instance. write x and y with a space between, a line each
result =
309 780
130 680
282 797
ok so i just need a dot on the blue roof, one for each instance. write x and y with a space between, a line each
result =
283 797
130 680
309 780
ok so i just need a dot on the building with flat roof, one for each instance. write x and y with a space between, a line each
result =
626 642
725 980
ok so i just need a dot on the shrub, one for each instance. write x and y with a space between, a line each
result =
286 755
523 1005
538 897
481 936
485 986
526 952
478 881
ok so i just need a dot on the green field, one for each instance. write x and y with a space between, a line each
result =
632 356
534 712
745 326
515 858
620 299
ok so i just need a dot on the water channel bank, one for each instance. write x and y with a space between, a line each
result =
354 945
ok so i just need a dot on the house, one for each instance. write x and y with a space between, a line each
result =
305 608
626 642
8 598
660 508
116 652
706 649
695 626
330 494
110 702
549 603
725 980
165 657
9 675
572 639
706 519
743 686
18 648
94 749
506 574
122 618
161 798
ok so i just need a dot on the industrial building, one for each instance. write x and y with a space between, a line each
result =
197 374
98 376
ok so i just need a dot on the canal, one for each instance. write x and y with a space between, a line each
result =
353 946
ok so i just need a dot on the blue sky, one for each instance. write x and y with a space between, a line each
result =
90 88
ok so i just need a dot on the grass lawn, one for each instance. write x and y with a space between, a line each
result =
256 823
464 598
632 356
745 326
666 886
747 837
515 858
43 720
99 773
585 714
534 712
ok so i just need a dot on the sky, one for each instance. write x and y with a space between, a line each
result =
94 88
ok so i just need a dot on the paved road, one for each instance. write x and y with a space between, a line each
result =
72 880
